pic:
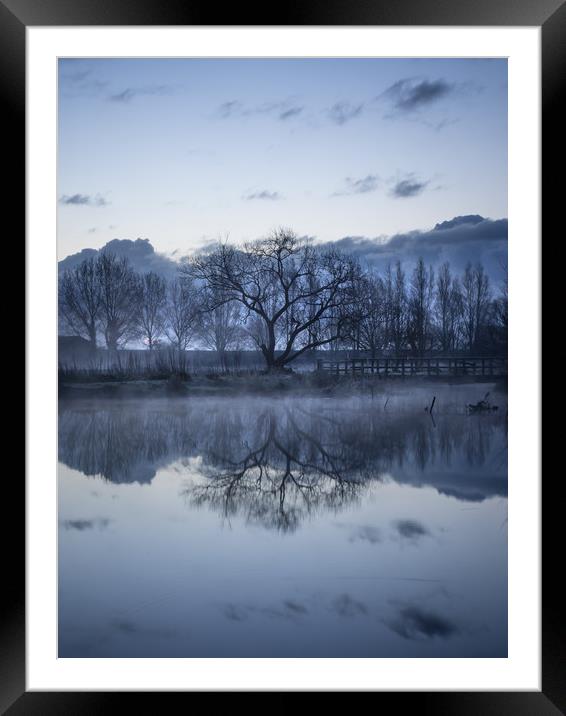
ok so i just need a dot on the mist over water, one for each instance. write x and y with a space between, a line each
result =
295 527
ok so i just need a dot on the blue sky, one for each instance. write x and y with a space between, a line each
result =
186 151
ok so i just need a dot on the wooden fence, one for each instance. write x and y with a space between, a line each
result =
404 366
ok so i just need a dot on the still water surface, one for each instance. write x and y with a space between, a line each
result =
295 527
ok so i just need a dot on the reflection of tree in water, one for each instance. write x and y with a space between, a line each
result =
120 444
286 467
276 462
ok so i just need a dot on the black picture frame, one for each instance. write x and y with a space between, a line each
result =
15 16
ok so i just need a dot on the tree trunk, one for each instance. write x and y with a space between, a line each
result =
92 336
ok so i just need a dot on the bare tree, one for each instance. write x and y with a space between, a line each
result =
181 312
153 289
220 324
420 308
288 287
476 298
396 307
120 299
80 300
368 323
500 315
449 308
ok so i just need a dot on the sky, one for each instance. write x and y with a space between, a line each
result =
185 152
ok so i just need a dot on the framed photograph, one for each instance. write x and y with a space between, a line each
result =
283 427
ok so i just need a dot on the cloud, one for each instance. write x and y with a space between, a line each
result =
459 240
291 112
76 80
408 187
411 529
229 109
140 253
413 93
76 77
364 185
417 624
265 194
365 533
128 94
290 609
342 112
83 200
82 525
346 606
282 110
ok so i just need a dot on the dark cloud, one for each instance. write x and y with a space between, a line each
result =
342 112
459 221
408 187
83 200
140 253
265 194
411 529
413 93
458 241
128 94
417 624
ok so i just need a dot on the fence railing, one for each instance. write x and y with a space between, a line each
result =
405 366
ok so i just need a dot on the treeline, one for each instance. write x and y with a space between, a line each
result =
284 297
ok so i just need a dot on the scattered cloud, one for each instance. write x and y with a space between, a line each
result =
128 628
128 94
365 533
282 110
346 606
408 187
76 80
289 609
82 525
411 529
364 185
413 93
83 200
229 109
417 624
264 194
342 112
291 112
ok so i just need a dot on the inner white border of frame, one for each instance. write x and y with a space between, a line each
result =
521 670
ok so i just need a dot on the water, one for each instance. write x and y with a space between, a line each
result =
294 528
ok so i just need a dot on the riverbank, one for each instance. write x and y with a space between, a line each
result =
283 384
